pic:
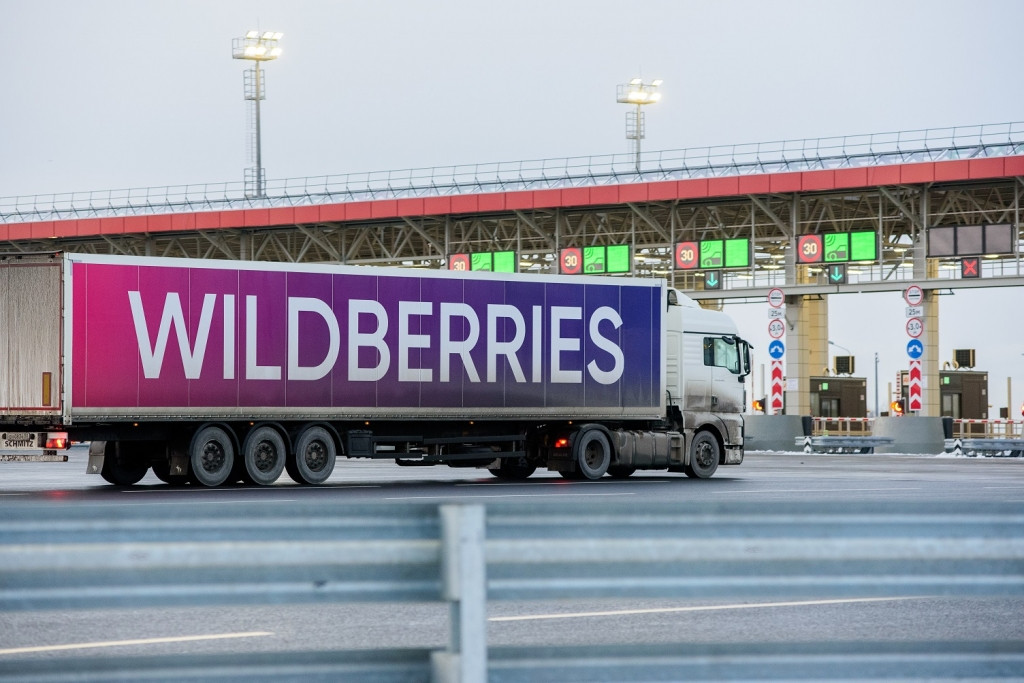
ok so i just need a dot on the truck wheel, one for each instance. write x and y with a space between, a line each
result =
621 471
513 469
704 456
314 457
119 467
593 454
211 456
264 455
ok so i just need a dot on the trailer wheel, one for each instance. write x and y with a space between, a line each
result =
120 468
593 454
264 455
315 454
704 456
211 456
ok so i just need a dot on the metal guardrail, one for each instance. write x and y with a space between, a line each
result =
988 429
110 555
849 151
990 447
842 444
842 426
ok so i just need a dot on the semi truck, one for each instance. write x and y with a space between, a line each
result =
213 372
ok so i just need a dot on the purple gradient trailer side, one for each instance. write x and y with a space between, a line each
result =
198 339
212 371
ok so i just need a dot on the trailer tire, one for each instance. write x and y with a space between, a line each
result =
211 456
315 454
593 454
705 454
264 455
119 468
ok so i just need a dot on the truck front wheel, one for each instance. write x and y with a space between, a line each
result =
704 456
315 454
593 454
211 456
264 455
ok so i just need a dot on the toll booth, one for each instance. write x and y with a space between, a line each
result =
964 394
839 397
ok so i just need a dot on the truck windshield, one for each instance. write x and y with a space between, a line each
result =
731 353
722 352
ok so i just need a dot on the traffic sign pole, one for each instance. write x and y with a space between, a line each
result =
914 296
776 349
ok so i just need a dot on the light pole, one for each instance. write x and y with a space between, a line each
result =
256 47
877 414
848 351
637 93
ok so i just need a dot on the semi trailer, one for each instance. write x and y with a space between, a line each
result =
211 372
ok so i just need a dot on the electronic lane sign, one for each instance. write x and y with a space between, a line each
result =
687 255
713 254
971 240
838 247
570 261
970 267
809 249
595 260
836 273
495 261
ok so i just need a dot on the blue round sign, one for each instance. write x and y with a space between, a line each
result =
776 349
915 349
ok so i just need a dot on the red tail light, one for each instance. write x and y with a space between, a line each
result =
57 440
562 443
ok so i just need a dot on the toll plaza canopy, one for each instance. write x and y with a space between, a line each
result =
723 222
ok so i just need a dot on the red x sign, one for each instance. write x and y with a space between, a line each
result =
969 267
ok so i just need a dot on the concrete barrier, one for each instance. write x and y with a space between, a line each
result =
912 434
772 432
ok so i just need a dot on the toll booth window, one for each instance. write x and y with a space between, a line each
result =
723 353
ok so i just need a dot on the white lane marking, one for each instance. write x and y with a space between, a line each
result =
210 502
703 608
892 488
139 641
536 482
513 495
254 488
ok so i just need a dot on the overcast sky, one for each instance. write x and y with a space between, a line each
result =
116 94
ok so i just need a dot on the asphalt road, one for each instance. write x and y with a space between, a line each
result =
764 477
